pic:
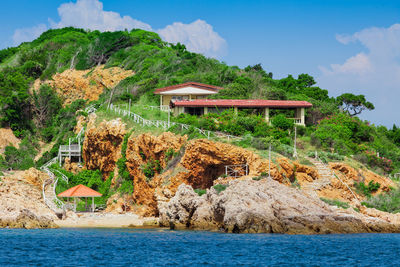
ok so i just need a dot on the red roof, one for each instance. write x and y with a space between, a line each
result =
245 103
80 191
193 84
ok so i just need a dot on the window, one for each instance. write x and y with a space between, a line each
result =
194 111
180 97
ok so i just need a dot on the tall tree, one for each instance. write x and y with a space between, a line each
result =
354 104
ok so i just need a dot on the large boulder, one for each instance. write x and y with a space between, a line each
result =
264 206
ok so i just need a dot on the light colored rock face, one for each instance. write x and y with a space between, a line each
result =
262 206
21 203
85 84
102 146
7 138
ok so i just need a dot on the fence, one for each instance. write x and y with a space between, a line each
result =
168 124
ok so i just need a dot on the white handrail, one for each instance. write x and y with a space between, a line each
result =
164 124
334 175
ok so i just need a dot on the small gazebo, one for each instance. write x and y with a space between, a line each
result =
80 191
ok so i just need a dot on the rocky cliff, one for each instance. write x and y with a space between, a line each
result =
159 165
21 202
102 146
264 206
349 175
145 149
199 163
85 84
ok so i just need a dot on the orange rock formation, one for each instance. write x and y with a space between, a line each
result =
102 146
141 150
349 175
85 84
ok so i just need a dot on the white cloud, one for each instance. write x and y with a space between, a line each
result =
28 34
375 72
359 64
198 36
89 14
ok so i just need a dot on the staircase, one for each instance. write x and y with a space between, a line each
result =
49 189
325 178
50 184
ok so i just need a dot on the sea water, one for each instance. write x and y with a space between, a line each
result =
158 247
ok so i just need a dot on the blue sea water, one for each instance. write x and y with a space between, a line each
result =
158 247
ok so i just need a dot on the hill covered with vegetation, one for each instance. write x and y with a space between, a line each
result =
39 115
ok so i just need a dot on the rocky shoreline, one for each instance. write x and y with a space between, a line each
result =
264 206
21 202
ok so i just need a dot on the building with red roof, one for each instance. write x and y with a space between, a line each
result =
185 91
191 98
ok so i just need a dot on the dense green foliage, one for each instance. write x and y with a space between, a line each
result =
150 168
21 158
389 202
92 179
331 125
368 189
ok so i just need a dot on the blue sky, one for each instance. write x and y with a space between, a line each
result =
347 45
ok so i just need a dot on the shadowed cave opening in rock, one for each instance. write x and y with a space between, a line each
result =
213 172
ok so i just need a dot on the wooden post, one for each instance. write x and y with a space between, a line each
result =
169 118
92 204
79 146
75 204
85 203
69 149
269 161
295 137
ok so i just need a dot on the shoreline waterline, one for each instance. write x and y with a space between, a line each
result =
164 247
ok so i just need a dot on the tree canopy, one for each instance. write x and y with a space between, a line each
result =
354 104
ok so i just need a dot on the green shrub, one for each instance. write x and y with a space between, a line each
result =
367 190
200 192
280 121
151 168
336 202
388 201
220 187
126 187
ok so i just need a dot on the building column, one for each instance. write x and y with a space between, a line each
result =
302 116
266 114
236 110
161 101
205 110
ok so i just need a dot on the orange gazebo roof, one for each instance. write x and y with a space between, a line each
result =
80 191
